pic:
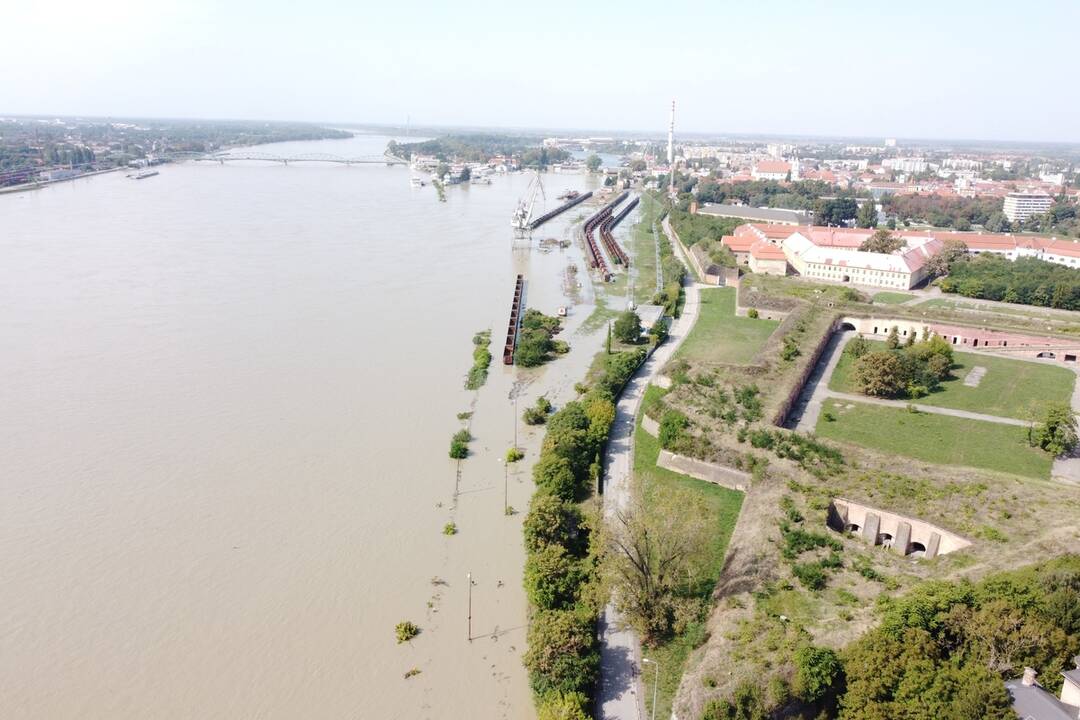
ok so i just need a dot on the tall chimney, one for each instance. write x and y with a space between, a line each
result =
1029 677
671 137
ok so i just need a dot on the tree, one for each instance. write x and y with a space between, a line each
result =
466 174
553 577
836 211
552 521
562 706
893 339
997 222
952 250
866 217
562 655
880 374
593 162
882 241
1056 434
628 327
553 474
652 549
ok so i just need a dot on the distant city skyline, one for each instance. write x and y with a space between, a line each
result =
946 71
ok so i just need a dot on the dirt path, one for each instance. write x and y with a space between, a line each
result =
619 696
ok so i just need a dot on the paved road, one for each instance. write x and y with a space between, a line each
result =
620 695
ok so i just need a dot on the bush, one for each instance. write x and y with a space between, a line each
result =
458 450
672 426
551 521
552 474
450 528
816 672
752 313
811 575
405 631
562 706
790 351
514 454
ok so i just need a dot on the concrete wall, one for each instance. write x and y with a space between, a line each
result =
717 474
970 339
901 533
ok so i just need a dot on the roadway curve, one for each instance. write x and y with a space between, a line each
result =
620 696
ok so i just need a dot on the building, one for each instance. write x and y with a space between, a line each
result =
775 216
1019 206
767 259
1032 702
770 170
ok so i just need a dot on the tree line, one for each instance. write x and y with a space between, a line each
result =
1025 281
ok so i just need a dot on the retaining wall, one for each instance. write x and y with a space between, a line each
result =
717 474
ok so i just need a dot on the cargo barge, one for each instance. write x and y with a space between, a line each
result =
516 311
576 199
596 257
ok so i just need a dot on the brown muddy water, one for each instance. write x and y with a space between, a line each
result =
226 401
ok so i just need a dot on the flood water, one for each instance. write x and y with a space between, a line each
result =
226 400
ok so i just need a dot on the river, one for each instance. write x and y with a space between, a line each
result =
228 393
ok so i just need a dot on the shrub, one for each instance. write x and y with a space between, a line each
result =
514 454
458 450
562 706
551 521
450 528
816 672
552 474
811 575
790 351
405 631
752 313
672 426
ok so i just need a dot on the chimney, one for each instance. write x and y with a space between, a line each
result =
1029 677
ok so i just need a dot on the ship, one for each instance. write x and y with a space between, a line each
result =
416 182
569 195
144 174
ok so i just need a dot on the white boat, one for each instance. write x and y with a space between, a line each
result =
416 182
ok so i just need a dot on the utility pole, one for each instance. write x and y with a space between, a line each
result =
506 484
468 578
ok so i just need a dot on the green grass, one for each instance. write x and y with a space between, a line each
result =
1018 310
1010 388
724 505
643 249
940 439
890 298
720 336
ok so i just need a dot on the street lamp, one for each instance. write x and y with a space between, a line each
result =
656 683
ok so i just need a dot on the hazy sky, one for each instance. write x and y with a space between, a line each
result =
937 69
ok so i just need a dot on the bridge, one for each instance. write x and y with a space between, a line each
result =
254 155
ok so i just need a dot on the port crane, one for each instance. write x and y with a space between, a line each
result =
522 219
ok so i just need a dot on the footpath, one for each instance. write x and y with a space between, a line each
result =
620 696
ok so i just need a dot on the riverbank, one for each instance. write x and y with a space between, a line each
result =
45 183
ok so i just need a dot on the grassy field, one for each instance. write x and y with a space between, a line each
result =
1010 388
890 298
724 505
1018 310
938 439
642 247
720 336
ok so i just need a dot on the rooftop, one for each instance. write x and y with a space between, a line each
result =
771 215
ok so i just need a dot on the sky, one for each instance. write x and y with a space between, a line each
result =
945 69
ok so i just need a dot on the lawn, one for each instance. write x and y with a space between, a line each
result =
1008 389
940 439
720 336
890 298
724 504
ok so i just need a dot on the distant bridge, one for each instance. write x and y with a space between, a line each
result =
253 155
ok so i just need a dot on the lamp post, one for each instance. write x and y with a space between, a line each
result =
468 579
656 683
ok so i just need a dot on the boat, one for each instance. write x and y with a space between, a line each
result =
416 182
481 180
569 195
561 312
144 174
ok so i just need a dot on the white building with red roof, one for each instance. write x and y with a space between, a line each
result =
770 170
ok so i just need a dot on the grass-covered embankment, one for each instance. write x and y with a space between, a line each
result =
940 439
1009 388
720 336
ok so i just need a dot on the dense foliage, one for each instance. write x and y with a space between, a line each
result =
481 147
955 212
912 371
536 339
1026 281
561 565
